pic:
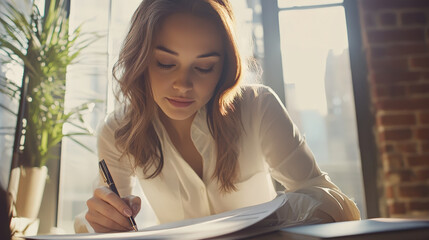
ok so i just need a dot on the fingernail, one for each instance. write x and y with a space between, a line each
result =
128 212
135 208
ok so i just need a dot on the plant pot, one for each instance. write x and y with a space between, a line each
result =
21 227
30 191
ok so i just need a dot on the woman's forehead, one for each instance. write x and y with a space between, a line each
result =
186 32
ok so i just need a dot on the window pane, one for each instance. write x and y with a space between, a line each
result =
249 36
85 80
12 71
319 93
89 79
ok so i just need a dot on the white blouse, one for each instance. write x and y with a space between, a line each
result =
270 147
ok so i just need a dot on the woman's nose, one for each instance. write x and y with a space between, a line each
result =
183 82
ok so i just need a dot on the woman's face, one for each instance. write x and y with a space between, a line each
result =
186 64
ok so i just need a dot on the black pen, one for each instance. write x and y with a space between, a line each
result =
109 180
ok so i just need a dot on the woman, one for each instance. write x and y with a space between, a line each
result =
196 141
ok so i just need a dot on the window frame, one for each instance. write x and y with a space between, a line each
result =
364 116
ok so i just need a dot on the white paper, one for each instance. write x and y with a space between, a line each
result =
198 228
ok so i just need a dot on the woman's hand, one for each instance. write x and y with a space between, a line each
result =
107 212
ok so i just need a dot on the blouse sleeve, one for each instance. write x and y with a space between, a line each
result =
291 161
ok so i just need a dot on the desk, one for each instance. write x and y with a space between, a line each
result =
277 235
378 228
384 229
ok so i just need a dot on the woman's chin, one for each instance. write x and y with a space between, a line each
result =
180 115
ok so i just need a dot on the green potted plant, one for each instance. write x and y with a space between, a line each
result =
45 48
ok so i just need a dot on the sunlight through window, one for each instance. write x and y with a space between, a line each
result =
318 88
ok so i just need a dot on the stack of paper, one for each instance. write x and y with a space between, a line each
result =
200 228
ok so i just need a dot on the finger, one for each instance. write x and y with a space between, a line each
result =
102 224
100 229
113 199
134 202
102 209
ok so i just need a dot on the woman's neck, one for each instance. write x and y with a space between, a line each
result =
177 129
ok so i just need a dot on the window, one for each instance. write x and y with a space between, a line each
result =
8 108
90 78
318 88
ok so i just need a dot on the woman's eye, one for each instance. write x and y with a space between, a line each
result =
165 66
204 70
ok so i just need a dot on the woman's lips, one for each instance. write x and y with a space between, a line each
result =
181 103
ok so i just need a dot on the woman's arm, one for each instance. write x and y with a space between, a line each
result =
292 163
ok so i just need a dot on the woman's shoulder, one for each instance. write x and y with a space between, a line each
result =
256 92
112 121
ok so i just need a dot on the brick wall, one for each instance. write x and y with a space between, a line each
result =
396 42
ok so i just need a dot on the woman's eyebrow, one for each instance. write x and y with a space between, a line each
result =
210 54
162 48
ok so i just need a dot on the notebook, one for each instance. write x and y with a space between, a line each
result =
212 226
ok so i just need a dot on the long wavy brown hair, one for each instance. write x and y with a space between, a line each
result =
137 136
